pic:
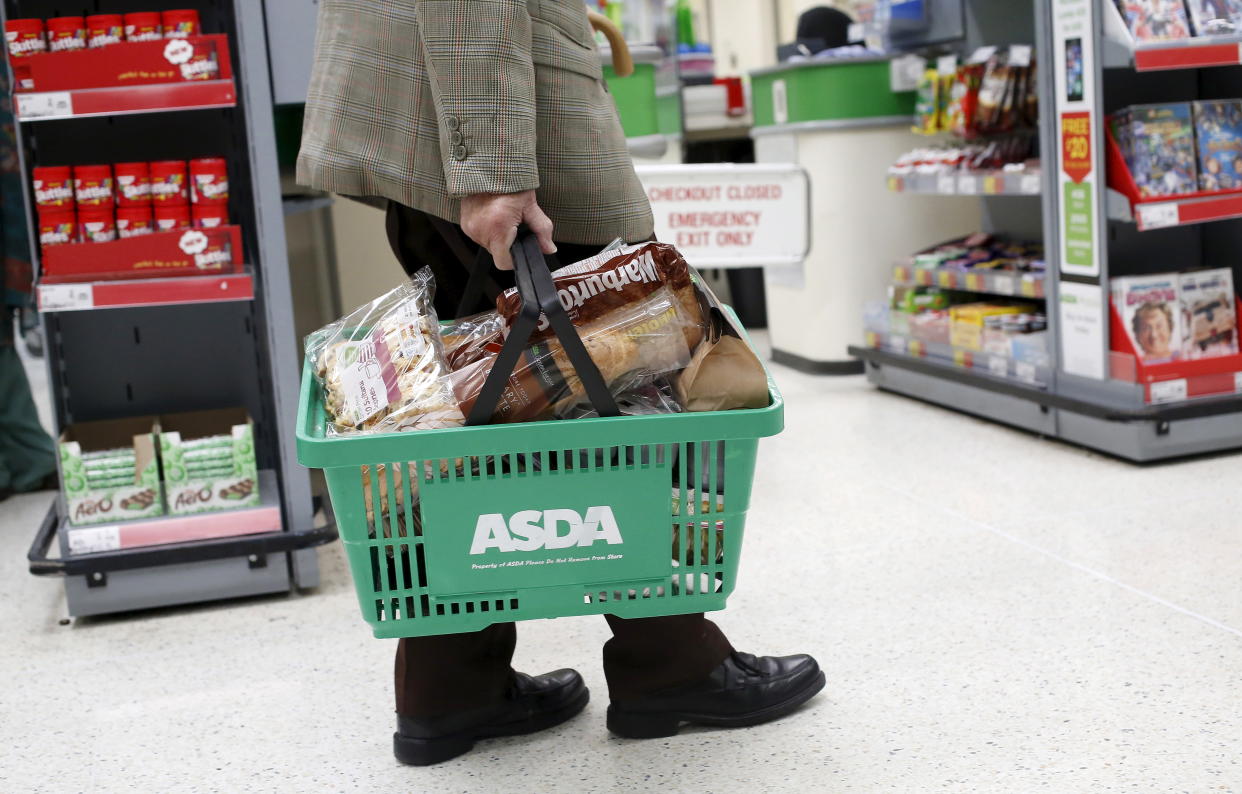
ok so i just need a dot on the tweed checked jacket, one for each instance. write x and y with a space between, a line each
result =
426 101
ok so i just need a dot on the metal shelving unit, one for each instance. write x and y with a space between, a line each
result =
1093 398
152 346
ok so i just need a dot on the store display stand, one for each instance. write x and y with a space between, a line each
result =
1093 397
171 346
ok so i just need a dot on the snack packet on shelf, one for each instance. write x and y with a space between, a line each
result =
642 337
382 368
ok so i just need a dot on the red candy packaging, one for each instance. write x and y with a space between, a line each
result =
134 221
96 225
53 187
66 33
133 184
92 185
181 23
210 216
209 181
168 182
57 227
144 26
169 217
104 29
25 37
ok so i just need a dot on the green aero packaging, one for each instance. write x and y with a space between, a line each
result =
454 527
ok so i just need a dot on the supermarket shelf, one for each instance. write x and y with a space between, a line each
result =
1007 283
989 365
96 538
145 292
162 97
1121 51
996 183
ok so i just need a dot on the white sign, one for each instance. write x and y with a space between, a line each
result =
1158 216
1082 329
65 297
1168 391
45 105
722 215
87 540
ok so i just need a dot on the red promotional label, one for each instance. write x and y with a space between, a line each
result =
1076 145
181 252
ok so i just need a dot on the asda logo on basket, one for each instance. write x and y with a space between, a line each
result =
532 530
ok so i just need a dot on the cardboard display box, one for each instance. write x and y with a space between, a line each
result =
95 493
208 460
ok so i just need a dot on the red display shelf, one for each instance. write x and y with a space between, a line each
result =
1174 380
1196 53
183 252
1162 212
126 293
132 77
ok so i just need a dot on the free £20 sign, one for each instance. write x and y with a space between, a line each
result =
722 215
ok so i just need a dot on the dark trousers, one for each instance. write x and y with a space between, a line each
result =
453 672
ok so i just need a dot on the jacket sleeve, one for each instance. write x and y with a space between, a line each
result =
478 55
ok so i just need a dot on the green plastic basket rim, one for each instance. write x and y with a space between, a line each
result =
317 450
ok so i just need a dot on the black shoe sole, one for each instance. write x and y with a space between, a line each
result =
424 752
659 725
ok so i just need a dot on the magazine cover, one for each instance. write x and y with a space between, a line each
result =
1209 314
1163 150
1218 126
1149 307
1215 17
1155 20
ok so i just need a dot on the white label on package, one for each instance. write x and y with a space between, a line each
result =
1237 382
968 185
65 297
1025 371
1019 55
982 55
363 382
1158 216
1168 391
1030 185
946 65
1003 285
88 540
45 105
998 366
946 184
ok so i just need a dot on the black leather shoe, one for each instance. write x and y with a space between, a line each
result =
533 703
744 690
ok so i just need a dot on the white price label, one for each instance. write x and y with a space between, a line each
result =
968 185
88 540
896 344
998 366
780 102
1025 371
946 64
1237 382
1168 391
946 184
1030 185
44 105
982 54
65 297
1158 216
1003 285
1019 55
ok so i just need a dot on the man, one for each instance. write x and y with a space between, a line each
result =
468 118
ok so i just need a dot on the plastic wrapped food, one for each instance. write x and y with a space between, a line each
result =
471 338
382 368
644 398
641 338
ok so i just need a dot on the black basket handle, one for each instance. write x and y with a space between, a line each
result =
539 298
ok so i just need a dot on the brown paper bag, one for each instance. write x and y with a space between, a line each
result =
724 374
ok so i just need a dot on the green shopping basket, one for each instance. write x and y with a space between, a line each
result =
485 524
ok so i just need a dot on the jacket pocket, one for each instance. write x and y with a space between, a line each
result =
569 17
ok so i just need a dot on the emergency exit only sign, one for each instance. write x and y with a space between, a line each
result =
723 215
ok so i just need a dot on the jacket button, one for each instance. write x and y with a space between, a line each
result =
459 153
455 137
452 122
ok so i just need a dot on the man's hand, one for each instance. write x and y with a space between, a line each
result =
492 219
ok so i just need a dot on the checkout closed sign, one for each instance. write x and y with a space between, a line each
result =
723 215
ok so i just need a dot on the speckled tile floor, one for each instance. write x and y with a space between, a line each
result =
995 613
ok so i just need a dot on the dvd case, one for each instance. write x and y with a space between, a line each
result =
1218 128
1162 141
1150 307
1155 20
1215 17
1209 314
